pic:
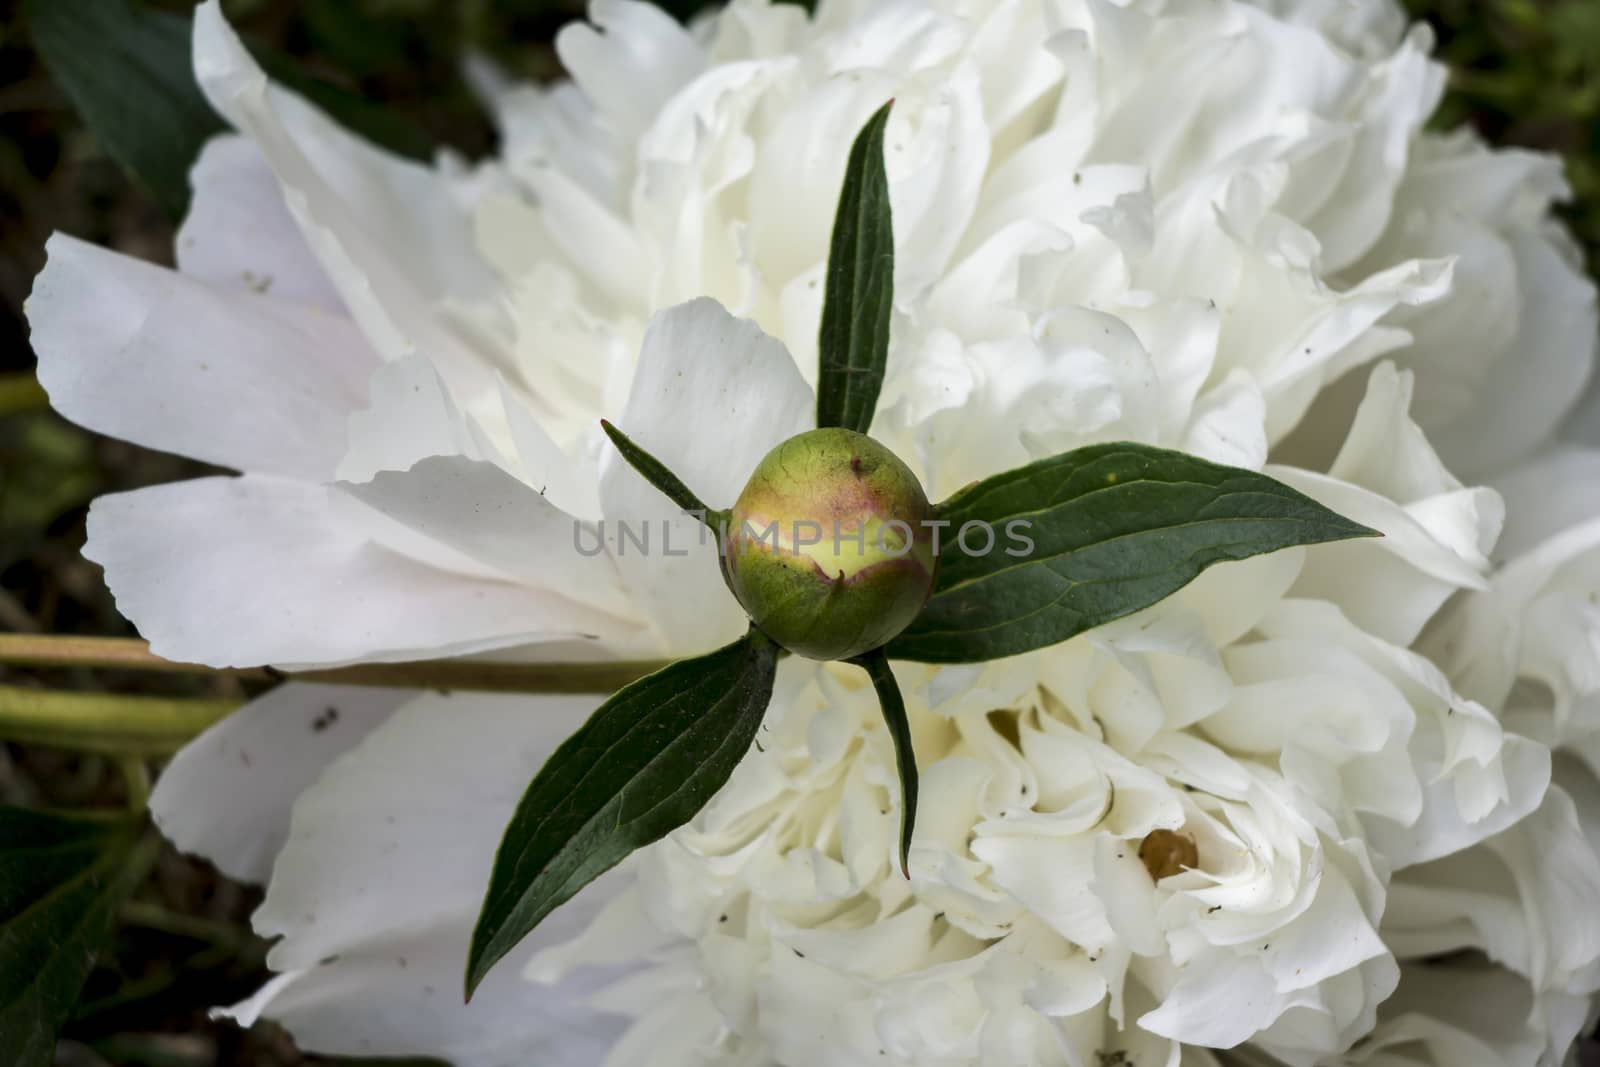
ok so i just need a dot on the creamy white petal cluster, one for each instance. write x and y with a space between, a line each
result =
1332 806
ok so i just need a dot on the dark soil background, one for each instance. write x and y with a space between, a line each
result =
1525 72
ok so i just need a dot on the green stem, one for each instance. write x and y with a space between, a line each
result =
123 653
105 722
142 726
21 392
136 773
489 677
54 650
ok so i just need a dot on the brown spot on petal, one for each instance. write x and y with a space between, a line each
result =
1165 853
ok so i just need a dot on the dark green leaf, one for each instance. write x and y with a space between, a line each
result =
656 473
1114 529
62 878
379 123
641 767
876 664
127 72
854 342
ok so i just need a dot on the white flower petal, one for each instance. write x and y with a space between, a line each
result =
633 58
1229 424
479 510
409 416
1450 1016
219 374
227 795
557 124
238 232
1584 424
1519 336
1393 586
386 980
713 394
234 572
361 211
1552 493
1552 359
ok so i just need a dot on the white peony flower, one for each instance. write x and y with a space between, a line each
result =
1301 813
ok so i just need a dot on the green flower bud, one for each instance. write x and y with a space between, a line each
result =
828 548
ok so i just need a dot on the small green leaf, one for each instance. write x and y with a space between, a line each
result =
127 72
641 767
62 878
1114 528
656 473
893 705
854 342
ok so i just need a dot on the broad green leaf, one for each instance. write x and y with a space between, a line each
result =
1113 528
854 342
127 72
641 767
893 705
62 878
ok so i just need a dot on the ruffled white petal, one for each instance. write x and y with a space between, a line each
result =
632 59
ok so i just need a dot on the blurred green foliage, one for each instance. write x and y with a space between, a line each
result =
1527 72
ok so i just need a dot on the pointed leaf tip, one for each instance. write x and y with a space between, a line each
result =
1093 535
657 474
643 765
893 706
853 343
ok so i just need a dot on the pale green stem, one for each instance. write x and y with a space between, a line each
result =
474 675
63 650
145 726
136 773
105 722
53 650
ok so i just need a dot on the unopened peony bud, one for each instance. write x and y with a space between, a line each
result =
829 547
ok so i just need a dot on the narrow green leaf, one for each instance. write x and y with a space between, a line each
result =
62 878
854 342
876 664
1092 535
641 767
656 473
127 72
